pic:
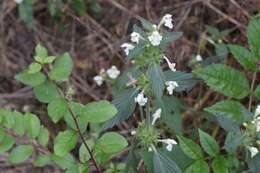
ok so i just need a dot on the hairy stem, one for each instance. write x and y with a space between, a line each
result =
251 90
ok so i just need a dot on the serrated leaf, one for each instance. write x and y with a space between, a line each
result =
233 140
190 148
64 162
57 109
157 80
6 143
225 79
20 154
98 112
219 165
62 68
253 35
43 137
111 143
198 166
34 68
65 142
42 160
209 144
41 53
31 79
243 56
231 109
33 125
46 92
125 105
163 164
186 81
169 37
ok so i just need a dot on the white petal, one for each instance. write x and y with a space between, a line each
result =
99 80
198 58
253 151
155 38
156 115
169 147
113 72
135 37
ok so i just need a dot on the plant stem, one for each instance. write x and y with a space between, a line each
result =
82 137
251 90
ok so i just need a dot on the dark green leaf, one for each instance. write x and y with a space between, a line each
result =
26 12
198 166
163 164
257 92
138 50
253 35
146 24
209 144
225 79
157 80
254 163
233 140
169 37
219 165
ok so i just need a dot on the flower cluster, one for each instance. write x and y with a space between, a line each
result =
18 1
112 73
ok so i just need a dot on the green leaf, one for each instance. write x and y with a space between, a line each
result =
219 165
84 155
8 118
257 92
62 68
169 37
209 144
225 79
19 126
57 109
42 160
46 92
157 80
20 154
138 50
6 143
64 162
253 35
190 148
98 112
146 24
41 53
79 6
43 137
233 140
163 164
2 134
186 81
65 142
198 166
34 68
33 125
231 109
254 163
110 143
243 56
125 105
34 79
26 12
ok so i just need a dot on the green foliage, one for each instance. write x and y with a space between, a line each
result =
219 165
190 148
43 137
20 154
46 92
57 109
42 160
208 143
162 163
98 112
65 142
198 166
33 125
225 79
32 79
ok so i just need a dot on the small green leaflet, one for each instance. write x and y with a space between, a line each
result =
20 154
57 109
98 112
6 143
33 125
34 68
65 142
225 79
190 148
209 144
62 68
42 160
163 164
43 137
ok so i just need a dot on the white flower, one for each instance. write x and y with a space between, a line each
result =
167 21
127 47
140 99
113 72
150 149
253 151
156 115
133 132
257 111
171 85
171 65
198 58
169 142
18 1
155 38
135 37
99 80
